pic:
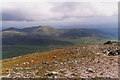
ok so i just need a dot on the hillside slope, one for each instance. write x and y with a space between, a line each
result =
46 35
85 61
19 42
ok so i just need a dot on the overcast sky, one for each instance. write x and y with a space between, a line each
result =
60 14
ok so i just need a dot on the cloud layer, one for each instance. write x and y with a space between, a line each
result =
60 12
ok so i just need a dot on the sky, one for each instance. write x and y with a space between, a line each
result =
73 14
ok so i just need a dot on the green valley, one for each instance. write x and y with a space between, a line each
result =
17 42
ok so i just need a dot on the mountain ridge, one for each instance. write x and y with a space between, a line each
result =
48 35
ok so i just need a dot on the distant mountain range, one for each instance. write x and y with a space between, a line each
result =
47 35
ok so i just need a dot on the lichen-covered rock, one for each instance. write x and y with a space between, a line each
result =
52 73
111 42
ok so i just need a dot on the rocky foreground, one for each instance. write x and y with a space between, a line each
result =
86 61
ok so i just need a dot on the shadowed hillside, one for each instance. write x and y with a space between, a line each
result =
46 35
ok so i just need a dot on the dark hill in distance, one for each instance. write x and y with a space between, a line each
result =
47 35
11 29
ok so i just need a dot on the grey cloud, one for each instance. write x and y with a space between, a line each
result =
11 17
14 15
57 13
